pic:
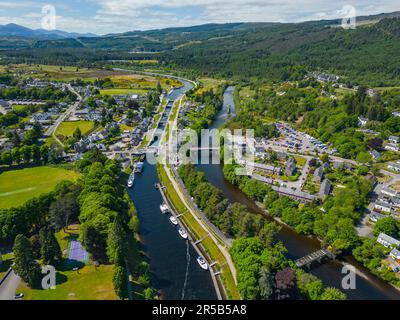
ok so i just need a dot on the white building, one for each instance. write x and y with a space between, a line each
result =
382 206
387 241
394 139
389 192
395 254
394 166
392 147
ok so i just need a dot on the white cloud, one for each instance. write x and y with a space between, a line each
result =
124 15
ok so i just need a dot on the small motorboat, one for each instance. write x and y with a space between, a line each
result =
131 180
183 233
164 208
173 220
202 262
138 167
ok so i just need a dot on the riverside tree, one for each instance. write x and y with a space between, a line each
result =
120 281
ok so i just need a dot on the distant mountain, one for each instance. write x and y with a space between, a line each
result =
15 30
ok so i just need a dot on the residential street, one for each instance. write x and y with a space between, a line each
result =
52 129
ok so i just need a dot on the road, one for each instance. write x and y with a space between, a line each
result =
53 128
9 286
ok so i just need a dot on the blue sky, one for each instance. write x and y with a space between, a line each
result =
112 16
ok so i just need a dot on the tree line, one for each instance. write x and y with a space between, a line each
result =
263 270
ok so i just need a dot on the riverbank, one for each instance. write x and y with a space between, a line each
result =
298 245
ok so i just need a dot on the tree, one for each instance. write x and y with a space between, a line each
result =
309 285
6 158
25 264
159 88
285 283
265 283
324 158
26 154
120 281
333 294
16 155
387 225
36 154
77 134
44 151
63 210
116 243
50 250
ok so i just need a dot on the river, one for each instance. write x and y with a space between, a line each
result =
173 263
175 271
368 286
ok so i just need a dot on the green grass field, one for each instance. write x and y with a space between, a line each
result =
18 186
89 283
113 92
68 128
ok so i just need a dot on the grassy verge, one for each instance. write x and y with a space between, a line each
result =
200 233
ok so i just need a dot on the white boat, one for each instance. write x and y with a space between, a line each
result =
183 233
164 208
131 180
173 220
138 167
202 262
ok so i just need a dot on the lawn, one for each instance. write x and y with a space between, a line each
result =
68 128
200 233
18 186
89 283
7 262
113 92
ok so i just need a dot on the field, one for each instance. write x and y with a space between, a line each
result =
18 186
86 284
113 92
209 84
67 129
89 283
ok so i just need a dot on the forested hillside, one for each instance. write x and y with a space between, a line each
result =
368 55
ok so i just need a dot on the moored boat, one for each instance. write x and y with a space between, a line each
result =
202 263
138 167
131 180
164 208
173 220
183 233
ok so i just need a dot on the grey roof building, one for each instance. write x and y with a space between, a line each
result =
325 188
387 241
290 167
318 175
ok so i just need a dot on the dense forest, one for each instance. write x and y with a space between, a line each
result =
366 55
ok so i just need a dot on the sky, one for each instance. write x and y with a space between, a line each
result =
115 16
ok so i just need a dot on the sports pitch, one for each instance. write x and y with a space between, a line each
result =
18 186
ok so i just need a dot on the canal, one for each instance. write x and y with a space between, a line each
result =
175 272
368 286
